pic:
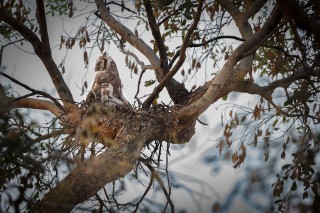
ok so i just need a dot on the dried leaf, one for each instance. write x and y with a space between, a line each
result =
85 58
220 145
294 186
305 195
237 119
230 113
63 70
234 157
216 207
182 72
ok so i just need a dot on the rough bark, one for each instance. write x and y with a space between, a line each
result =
125 132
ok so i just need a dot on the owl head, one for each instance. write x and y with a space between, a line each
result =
101 62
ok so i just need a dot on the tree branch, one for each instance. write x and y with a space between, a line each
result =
32 103
54 100
157 36
301 73
180 61
141 46
229 75
254 8
155 174
41 17
89 177
42 52
127 35
3 46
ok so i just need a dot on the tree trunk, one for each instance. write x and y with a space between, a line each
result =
125 132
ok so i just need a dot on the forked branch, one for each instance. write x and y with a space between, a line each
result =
180 61
41 49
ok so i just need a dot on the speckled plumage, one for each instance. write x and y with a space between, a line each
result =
106 72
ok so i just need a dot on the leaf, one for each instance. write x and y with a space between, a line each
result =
149 83
216 207
286 166
220 145
278 201
294 186
182 72
305 195
243 119
63 70
85 58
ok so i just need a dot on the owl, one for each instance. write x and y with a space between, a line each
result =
106 72
107 97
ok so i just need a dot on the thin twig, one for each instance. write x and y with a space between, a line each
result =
3 46
35 91
138 87
155 174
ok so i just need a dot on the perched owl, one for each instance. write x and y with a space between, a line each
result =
106 72
107 97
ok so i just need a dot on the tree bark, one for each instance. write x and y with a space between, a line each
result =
125 133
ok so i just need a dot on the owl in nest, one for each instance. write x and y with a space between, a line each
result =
107 79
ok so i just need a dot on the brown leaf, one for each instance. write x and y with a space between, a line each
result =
63 70
234 157
220 145
216 207
85 57
182 72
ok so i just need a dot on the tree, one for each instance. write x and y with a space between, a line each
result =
274 58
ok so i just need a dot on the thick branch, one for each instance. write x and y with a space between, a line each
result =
157 36
32 103
127 35
254 8
34 91
41 17
301 18
88 178
229 76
